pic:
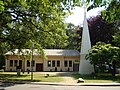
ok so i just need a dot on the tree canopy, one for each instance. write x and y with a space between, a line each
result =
25 21
101 53
112 13
40 21
1 6
100 30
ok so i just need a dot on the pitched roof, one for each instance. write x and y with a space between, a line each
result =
48 52
62 52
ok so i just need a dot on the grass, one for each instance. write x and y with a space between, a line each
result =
27 77
100 78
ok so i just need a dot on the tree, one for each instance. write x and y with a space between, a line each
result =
112 13
1 6
25 21
100 30
101 53
73 40
116 39
2 62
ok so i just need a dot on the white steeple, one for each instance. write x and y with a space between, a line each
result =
85 67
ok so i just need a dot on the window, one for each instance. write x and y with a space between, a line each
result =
70 63
33 62
53 63
28 63
58 63
20 63
11 62
15 62
49 63
65 63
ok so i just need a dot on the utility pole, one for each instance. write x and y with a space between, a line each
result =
32 63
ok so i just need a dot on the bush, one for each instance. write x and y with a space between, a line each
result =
2 70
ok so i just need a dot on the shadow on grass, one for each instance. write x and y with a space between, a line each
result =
6 85
8 80
11 76
98 77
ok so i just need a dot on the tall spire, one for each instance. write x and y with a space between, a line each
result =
85 67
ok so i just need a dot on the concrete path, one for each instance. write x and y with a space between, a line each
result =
65 75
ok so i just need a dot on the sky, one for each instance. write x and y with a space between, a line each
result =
78 15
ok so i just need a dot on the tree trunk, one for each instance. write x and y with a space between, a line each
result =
114 68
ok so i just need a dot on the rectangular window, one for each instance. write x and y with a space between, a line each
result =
58 63
65 63
33 62
70 63
49 63
28 63
11 63
15 62
20 63
53 63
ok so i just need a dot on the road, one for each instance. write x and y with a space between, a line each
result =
54 87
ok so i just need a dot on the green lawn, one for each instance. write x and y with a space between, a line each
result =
100 78
27 77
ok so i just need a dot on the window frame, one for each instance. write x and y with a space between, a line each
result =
58 64
66 63
28 63
11 63
15 63
20 64
49 63
33 62
70 64
53 63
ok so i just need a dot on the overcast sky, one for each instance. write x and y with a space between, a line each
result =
78 16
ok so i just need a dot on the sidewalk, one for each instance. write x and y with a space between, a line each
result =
77 84
10 83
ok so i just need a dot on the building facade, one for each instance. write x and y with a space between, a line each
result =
56 60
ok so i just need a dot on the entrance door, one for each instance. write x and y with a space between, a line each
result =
39 67
75 67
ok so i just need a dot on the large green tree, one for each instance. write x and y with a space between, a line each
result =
101 53
25 21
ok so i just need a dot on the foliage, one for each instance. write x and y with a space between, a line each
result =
104 54
26 21
1 6
73 40
100 78
2 62
100 30
23 22
112 13
98 3
117 39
